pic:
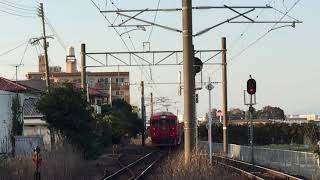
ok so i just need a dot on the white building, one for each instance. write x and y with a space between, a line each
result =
6 120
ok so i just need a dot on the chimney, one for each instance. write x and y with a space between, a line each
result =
71 62
42 64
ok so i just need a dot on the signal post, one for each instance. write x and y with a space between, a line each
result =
251 90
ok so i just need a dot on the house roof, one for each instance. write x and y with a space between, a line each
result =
78 74
37 84
11 86
29 107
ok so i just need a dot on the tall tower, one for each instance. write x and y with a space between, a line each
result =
42 64
71 61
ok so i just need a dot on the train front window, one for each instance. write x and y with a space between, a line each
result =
163 122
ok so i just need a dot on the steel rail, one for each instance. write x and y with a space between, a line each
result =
127 168
277 174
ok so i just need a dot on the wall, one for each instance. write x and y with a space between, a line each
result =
292 162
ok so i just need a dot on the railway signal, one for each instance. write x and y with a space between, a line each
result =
251 90
251 86
198 64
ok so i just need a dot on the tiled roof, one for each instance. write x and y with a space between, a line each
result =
36 84
29 107
8 85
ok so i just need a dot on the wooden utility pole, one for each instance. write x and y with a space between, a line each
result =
224 95
143 114
188 80
83 68
45 46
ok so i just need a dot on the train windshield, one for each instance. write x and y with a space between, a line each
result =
163 122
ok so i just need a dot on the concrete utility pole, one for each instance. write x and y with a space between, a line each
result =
143 113
110 91
224 95
210 88
188 80
151 106
83 68
45 47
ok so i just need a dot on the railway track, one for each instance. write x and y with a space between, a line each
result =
136 170
253 171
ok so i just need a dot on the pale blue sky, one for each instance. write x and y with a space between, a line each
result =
284 63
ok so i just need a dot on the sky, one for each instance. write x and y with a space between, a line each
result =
285 62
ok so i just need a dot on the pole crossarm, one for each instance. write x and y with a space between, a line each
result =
180 9
219 24
234 9
148 22
154 58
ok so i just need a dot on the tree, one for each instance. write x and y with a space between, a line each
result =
123 119
270 112
17 122
66 110
236 113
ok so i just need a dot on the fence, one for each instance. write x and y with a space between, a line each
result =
26 144
292 162
5 145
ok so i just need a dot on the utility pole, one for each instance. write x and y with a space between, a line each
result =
143 113
16 73
151 106
210 88
83 68
224 95
110 91
45 47
188 80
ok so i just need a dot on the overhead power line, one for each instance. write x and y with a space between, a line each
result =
18 7
16 14
13 49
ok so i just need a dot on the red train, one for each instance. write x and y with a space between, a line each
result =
164 129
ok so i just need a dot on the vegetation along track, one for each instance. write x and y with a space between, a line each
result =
137 169
253 171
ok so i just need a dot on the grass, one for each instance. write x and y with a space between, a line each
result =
174 168
63 163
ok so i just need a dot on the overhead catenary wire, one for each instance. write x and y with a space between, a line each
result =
232 59
265 34
117 32
141 68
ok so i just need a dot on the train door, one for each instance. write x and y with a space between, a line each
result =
163 125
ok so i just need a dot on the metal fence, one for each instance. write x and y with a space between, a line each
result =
292 162
26 144
5 145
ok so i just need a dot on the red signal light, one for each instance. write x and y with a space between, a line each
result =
251 86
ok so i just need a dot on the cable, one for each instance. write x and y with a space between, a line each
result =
141 68
16 7
19 5
259 38
55 33
154 21
265 34
115 31
15 14
8 51
24 53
